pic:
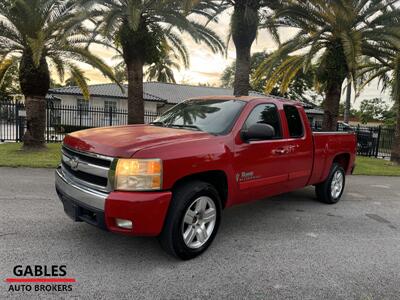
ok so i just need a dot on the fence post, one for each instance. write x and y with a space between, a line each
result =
358 137
47 122
21 127
1 123
371 137
16 116
80 115
110 115
378 141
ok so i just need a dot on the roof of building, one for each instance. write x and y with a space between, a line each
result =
315 111
110 90
154 91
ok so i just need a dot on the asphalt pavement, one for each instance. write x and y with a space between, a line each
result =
286 247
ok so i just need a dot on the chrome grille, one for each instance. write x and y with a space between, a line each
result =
87 169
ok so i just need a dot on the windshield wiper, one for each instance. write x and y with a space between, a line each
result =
194 127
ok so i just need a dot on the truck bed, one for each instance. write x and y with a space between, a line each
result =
327 147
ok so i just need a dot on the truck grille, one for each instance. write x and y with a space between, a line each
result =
86 168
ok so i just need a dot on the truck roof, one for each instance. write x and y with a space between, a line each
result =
273 99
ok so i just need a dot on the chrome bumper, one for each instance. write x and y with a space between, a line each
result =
79 193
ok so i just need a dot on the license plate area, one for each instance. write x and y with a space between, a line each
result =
79 212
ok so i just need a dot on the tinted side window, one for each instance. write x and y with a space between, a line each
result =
265 114
294 121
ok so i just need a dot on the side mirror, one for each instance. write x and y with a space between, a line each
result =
258 132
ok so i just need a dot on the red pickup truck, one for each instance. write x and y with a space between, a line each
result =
173 177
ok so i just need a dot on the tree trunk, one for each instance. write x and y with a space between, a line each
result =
331 107
36 121
35 83
347 105
395 157
241 85
135 92
334 74
396 143
139 47
245 21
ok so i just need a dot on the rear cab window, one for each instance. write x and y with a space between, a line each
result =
294 121
265 114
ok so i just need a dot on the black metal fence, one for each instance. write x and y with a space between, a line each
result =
372 141
61 119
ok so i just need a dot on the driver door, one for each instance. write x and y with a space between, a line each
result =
260 166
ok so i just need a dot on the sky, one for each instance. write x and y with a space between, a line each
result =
207 67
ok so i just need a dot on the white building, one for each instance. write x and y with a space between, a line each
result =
158 97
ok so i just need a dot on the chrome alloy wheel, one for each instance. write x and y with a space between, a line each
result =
337 184
199 222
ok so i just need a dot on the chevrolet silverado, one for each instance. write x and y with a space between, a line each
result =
173 177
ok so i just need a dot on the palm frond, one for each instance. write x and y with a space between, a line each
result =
58 65
87 57
335 36
5 65
78 76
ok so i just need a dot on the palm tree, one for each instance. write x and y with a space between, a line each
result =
9 86
71 81
385 66
163 69
142 29
248 16
301 88
38 35
334 35
347 103
120 71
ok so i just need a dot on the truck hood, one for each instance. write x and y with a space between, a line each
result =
125 141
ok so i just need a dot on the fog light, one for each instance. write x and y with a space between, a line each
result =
123 223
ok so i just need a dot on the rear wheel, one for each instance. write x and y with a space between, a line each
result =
330 191
192 221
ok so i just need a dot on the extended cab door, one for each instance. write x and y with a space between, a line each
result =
260 166
299 147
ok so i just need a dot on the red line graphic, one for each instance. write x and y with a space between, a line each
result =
31 280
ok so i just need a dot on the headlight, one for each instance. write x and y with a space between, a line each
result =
138 174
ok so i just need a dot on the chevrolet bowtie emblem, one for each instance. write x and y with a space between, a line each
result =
74 163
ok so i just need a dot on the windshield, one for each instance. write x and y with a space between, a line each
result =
212 116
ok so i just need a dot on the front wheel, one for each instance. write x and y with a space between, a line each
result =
330 191
192 221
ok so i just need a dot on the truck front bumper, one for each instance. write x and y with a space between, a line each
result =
146 210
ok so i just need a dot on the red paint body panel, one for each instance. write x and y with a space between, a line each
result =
124 141
327 146
146 210
253 170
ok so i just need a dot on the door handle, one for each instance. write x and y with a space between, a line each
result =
280 151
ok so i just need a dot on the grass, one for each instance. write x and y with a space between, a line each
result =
12 155
373 166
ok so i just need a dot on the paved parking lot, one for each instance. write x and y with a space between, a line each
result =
285 247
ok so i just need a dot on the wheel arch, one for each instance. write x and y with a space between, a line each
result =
217 178
343 160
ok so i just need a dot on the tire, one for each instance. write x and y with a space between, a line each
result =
329 192
187 200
